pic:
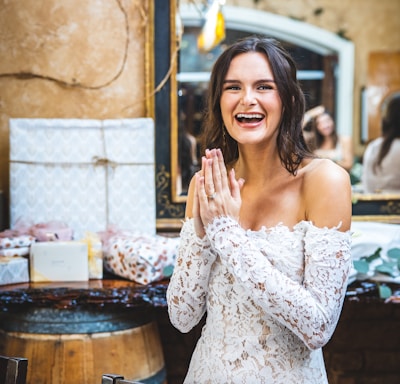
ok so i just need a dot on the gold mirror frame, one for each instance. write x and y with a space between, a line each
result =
376 207
169 212
174 49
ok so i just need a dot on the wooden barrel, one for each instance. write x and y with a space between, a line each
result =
69 347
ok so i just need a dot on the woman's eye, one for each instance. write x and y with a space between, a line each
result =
232 88
264 87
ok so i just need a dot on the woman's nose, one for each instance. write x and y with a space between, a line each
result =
248 98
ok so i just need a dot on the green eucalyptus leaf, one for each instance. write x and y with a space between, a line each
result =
394 253
387 268
374 256
384 291
167 271
361 266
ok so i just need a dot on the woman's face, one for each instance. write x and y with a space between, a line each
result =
250 103
324 125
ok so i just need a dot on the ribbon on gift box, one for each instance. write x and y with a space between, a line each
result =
95 253
97 161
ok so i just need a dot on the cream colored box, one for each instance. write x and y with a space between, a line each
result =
59 261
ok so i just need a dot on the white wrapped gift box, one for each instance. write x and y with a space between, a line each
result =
89 174
13 270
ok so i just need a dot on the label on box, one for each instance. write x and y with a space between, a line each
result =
59 261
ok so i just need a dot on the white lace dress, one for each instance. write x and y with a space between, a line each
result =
273 298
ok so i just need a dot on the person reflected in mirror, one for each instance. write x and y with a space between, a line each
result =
265 248
324 140
381 160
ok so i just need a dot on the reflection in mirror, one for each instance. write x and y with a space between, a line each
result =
326 69
380 186
381 159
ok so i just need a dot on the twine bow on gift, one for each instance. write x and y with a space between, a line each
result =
104 162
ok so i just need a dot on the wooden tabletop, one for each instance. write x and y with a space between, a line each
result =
110 291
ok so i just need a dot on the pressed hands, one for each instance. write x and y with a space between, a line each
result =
217 192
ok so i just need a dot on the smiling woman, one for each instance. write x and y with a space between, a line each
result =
266 243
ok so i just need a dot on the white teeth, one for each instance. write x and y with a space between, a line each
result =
249 116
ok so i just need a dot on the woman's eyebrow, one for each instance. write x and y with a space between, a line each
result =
257 81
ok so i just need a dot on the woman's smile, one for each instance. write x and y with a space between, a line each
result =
249 118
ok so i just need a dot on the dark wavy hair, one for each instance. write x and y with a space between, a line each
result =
390 128
291 145
318 138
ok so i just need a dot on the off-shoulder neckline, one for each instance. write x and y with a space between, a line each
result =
301 225
298 226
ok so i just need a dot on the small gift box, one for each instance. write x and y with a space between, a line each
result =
13 244
14 252
10 239
13 270
140 258
59 261
52 231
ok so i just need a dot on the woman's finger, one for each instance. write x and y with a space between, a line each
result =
222 170
196 210
198 223
201 190
236 185
209 177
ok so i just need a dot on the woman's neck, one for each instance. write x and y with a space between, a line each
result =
253 165
327 143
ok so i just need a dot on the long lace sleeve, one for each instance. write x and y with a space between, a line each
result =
309 306
187 289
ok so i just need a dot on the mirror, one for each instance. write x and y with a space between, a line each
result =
325 62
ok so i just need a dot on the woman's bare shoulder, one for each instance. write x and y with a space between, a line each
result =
327 192
325 171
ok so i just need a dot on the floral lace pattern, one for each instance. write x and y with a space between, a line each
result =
273 298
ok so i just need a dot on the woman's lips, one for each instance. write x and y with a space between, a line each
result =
248 118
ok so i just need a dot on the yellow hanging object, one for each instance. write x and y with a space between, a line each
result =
213 31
